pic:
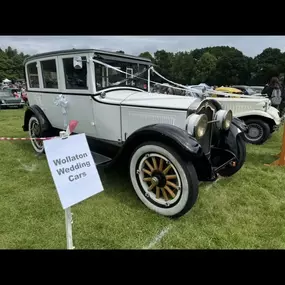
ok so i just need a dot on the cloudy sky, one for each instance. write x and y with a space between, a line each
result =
249 45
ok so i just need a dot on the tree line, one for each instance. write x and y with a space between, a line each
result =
218 65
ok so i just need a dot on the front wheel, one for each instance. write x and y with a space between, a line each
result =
163 181
35 132
258 131
234 167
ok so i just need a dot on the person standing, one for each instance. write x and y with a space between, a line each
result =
274 92
282 104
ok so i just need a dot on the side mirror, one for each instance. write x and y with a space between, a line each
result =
77 62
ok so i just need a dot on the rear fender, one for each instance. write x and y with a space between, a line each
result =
39 113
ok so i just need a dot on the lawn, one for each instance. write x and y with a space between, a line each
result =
244 211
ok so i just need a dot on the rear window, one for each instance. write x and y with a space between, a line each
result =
33 76
49 74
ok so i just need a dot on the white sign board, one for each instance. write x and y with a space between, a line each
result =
73 169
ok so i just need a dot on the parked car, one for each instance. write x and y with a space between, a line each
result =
247 90
167 142
7 100
260 117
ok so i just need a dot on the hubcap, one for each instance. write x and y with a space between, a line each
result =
254 133
159 179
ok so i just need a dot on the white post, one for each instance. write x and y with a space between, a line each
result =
68 226
68 214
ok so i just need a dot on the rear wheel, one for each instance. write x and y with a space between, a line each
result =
258 131
163 181
35 132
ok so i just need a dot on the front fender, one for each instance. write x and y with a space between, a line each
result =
229 139
260 113
168 134
39 113
184 144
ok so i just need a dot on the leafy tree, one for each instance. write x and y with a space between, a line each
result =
205 69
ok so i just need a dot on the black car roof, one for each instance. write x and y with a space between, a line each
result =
95 51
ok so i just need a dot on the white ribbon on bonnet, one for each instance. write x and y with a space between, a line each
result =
61 101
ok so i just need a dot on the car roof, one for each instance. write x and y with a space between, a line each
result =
80 51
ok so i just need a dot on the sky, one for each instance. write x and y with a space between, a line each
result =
134 45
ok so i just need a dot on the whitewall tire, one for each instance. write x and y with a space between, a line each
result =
163 181
35 131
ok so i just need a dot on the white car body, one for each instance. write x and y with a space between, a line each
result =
243 107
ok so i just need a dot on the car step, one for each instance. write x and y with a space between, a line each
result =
99 158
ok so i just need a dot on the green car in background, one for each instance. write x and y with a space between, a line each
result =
8 100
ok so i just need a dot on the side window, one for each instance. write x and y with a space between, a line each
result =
49 73
33 75
75 78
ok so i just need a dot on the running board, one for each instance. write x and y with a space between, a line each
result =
99 158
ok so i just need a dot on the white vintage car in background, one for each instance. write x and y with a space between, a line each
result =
168 142
260 117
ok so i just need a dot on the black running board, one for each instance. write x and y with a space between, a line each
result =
99 158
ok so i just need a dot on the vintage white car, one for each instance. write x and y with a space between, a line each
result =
260 117
168 142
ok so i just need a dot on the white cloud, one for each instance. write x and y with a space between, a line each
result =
249 45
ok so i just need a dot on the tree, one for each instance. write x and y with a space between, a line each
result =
182 67
205 69
269 63
147 55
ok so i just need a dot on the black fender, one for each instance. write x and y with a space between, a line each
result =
239 124
39 113
168 134
177 138
229 138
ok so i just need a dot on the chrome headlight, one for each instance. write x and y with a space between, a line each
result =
197 125
224 119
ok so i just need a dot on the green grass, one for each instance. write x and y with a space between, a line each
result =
244 211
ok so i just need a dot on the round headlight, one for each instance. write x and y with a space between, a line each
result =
197 125
224 119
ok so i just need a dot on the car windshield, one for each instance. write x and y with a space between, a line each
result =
136 76
250 91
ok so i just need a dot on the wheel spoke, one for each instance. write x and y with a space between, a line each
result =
169 177
160 165
157 192
167 169
146 171
172 194
154 162
149 165
171 184
151 186
147 179
164 194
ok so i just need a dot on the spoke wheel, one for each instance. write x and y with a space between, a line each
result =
35 132
159 179
163 181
